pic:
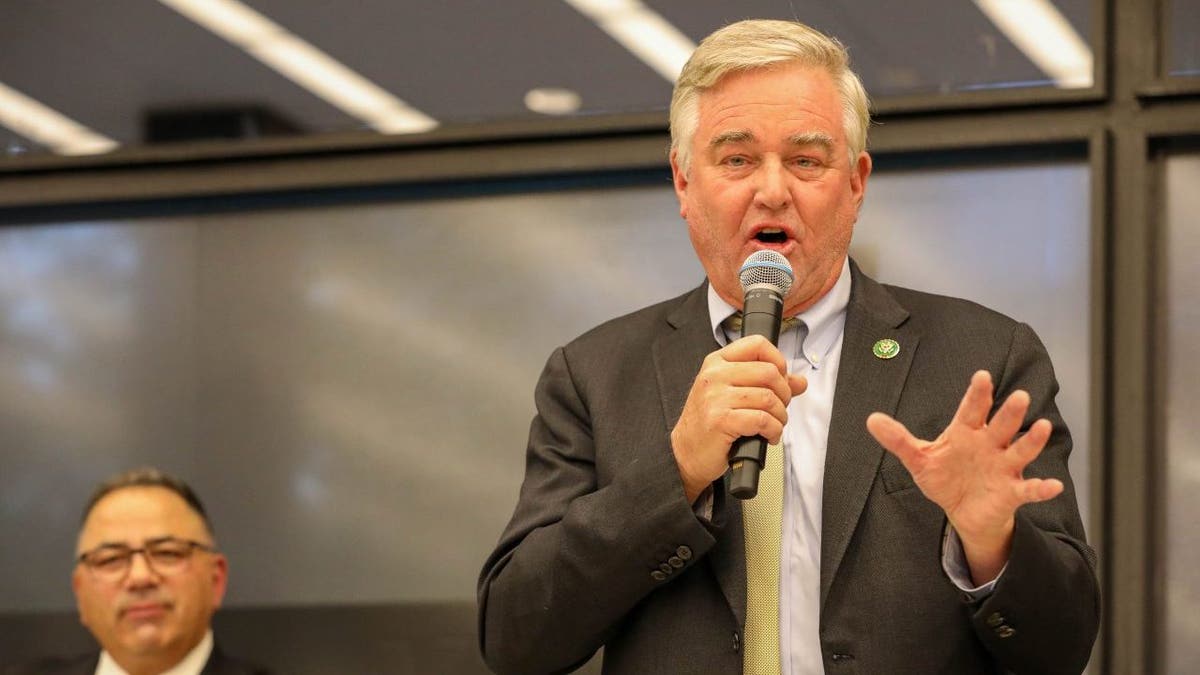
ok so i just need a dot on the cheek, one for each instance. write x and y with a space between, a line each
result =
96 611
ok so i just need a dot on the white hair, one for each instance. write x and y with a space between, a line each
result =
760 43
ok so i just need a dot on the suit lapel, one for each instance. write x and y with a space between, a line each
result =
678 354
865 384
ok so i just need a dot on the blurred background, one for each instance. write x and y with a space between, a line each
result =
312 256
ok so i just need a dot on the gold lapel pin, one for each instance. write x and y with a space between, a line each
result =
886 348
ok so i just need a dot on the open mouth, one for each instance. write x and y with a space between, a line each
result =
771 237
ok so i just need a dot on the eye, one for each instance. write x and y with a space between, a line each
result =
735 161
108 559
806 162
169 553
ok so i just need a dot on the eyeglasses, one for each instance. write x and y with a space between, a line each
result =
167 556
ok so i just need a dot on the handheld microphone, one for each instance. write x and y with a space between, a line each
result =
766 278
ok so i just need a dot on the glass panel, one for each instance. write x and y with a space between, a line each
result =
322 373
321 376
1182 373
135 72
1183 42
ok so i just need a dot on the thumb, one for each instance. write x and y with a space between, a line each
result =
893 436
798 384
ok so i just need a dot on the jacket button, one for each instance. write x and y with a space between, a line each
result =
995 619
737 641
666 569
684 552
1006 631
658 576
675 561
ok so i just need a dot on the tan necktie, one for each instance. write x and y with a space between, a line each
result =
763 520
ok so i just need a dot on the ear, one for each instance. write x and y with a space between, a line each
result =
76 586
679 178
220 578
859 174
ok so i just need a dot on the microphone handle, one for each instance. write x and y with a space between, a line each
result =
762 313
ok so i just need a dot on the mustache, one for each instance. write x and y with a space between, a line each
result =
136 599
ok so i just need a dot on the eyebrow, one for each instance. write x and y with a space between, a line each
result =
145 542
803 139
809 138
727 137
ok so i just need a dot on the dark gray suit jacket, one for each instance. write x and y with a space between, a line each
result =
218 664
602 508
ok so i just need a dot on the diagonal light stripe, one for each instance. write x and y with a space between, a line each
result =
1039 30
642 31
305 65
48 127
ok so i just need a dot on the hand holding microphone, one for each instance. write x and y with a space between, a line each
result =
742 389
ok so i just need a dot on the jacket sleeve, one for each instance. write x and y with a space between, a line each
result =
1044 613
581 549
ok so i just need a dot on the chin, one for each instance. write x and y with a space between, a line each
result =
146 640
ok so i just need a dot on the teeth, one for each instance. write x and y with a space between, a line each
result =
771 230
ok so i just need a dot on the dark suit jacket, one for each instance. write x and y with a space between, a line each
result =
218 664
602 507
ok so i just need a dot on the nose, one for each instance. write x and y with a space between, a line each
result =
140 571
772 189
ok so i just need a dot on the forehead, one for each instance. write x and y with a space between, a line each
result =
783 99
132 515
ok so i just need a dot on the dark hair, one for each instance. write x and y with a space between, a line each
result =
148 477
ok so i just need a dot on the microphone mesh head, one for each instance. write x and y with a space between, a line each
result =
767 267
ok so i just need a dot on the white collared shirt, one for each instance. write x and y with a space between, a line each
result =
191 664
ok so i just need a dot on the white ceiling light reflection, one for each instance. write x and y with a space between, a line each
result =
642 31
306 65
553 101
49 127
1045 36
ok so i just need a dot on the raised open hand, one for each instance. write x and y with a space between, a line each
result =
973 470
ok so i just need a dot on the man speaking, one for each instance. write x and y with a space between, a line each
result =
900 526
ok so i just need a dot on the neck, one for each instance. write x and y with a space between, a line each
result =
154 662
147 665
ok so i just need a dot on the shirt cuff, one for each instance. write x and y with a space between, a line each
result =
703 506
954 563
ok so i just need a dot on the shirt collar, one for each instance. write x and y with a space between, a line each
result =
191 664
825 320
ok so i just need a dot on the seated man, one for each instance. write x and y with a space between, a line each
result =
147 580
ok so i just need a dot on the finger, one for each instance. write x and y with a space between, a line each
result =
757 398
1027 448
754 348
895 438
747 422
1038 490
1007 421
798 384
757 374
975 404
